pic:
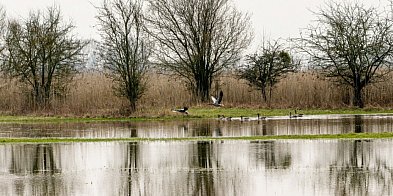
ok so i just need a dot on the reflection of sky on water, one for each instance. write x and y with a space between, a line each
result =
280 167
316 124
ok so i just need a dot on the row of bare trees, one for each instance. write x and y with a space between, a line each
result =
195 40
41 53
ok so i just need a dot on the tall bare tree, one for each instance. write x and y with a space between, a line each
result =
265 68
198 39
352 44
41 52
125 48
2 26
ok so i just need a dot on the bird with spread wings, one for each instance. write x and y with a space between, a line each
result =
217 101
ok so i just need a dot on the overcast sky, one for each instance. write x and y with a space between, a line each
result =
270 18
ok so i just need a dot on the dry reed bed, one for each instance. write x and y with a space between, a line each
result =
91 95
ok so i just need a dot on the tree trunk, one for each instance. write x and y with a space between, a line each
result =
203 84
263 91
39 96
357 96
132 95
203 90
132 106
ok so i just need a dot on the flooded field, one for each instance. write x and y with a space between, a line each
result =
316 124
275 167
296 167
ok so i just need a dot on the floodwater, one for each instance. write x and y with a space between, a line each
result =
315 124
276 167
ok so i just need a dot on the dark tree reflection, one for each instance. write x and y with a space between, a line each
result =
202 129
355 171
217 132
35 159
131 165
358 124
264 128
202 182
272 155
44 159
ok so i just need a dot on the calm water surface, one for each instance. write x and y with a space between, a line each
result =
277 167
290 167
318 124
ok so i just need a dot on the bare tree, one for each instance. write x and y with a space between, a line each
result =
351 44
125 47
2 26
198 39
42 53
265 68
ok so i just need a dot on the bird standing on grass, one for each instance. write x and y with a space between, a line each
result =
182 110
217 102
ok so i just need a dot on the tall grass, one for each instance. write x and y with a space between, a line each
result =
91 94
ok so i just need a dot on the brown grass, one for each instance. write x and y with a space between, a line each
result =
91 95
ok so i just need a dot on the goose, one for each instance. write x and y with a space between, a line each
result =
222 117
298 115
260 117
183 110
244 118
295 115
217 102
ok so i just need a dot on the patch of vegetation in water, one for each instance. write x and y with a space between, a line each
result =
385 135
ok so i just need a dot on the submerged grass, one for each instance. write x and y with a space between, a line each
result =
384 135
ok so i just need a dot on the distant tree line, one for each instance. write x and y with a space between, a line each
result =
195 40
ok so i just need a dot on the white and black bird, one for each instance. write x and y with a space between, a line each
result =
182 110
217 102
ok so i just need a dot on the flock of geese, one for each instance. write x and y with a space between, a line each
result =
217 102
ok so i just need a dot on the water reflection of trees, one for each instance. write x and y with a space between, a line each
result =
272 155
202 129
360 171
140 167
358 167
35 159
345 124
131 164
201 182
358 124
212 127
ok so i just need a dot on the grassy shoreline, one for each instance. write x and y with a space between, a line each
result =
384 135
194 113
